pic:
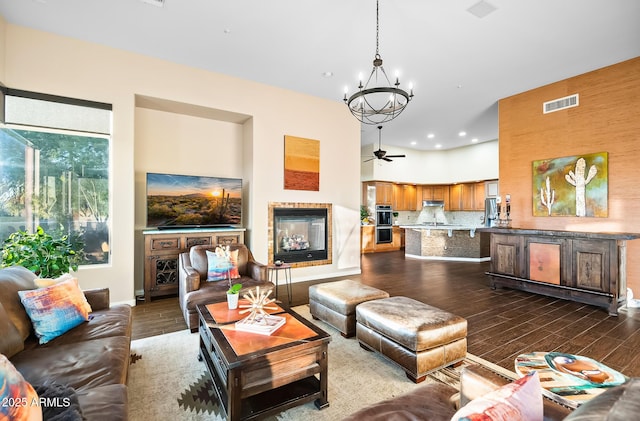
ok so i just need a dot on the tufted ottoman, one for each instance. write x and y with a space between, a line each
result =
335 303
418 337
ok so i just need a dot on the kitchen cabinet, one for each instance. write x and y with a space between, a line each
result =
398 238
384 193
161 251
467 197
479 195
455 197
585 267
367 238
404 197
433 192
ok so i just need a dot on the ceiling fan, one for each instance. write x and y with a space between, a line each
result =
380 154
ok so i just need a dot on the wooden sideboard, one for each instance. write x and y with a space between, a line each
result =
580 266
162 248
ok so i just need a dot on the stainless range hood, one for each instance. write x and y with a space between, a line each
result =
426 203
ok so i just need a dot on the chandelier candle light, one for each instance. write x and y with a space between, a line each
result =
377 104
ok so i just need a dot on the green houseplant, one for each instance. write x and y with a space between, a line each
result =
234 289
233 295
364 215
41 253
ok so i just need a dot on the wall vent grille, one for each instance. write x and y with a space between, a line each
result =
560 104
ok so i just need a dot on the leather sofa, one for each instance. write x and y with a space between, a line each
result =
193 288
92 358
439 402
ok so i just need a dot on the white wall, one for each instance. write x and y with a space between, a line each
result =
42 62
3 37
469 163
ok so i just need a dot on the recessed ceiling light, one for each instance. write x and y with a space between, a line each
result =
430 136
462 134
438 146
327 74
414 143
227 31
474 140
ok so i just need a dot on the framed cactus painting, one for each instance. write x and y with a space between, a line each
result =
571 186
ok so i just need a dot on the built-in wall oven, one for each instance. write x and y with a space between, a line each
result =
384 228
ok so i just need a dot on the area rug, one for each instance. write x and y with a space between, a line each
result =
167 382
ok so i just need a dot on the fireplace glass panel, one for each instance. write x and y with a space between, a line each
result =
300 234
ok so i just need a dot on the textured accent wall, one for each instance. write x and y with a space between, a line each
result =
607 120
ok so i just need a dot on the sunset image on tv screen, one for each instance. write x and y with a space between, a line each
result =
189 200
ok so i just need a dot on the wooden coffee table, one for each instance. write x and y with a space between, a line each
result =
258 375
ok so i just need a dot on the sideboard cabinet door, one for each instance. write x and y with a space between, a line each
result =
506 252
592 264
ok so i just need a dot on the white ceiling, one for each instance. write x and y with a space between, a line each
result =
460 65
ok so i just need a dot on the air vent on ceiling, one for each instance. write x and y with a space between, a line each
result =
560 104
157 3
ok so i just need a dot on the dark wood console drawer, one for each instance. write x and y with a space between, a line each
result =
198 241
165 243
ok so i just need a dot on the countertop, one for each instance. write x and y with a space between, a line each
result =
453 227
559 233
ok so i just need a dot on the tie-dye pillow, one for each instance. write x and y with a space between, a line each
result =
55 309
221 267
19 400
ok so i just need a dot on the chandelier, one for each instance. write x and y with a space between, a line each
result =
378 100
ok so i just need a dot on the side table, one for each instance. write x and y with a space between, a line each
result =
273 272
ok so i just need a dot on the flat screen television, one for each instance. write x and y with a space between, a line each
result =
191 201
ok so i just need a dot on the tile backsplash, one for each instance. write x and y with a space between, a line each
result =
429 214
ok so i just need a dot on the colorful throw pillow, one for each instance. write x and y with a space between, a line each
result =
520 400
19 400
56 309
222 265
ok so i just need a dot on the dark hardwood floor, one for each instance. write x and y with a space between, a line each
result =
502 323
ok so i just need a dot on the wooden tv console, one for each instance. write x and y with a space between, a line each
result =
162 248
580 266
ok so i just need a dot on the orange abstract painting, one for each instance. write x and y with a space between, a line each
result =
301 164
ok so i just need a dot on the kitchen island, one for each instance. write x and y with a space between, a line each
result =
446 242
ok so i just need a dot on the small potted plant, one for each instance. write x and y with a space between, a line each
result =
233 293
364 215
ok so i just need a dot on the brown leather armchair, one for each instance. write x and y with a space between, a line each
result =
194 288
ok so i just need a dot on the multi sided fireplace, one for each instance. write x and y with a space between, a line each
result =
300 234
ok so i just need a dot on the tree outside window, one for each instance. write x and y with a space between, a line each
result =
60 181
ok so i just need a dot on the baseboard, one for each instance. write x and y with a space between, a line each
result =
345 273
450 259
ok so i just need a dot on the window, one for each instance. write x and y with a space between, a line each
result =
54 176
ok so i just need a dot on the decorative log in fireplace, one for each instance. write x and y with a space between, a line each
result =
300 234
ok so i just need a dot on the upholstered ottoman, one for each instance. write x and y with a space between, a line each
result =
335 303
418 337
